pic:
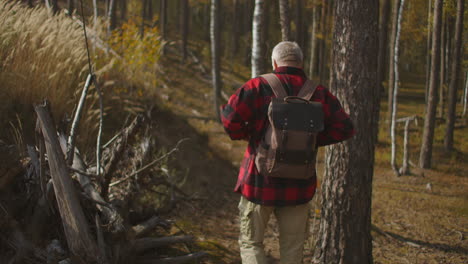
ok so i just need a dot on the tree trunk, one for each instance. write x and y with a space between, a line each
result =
322 41
395 87
455 78
95 12
149 11
70 6
215 53
383 48
111 17
55 7
235 29
285 20
143 15
428 46
391 68
257 43
443 74
313 40
123 10
299 23
344 233
163 19
185 27
76 227
425 157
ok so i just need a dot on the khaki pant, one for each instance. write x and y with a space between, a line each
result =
292 221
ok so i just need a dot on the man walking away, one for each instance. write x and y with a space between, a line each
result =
246 117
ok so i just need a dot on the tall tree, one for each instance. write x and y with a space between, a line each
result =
383 48
257 43
428 48
391 69
215 52
163 18
235 29
70 6
111 17
455 78
313 40
425 156
395 87
285 20
184 27
123 10
344 234
443 63
299 23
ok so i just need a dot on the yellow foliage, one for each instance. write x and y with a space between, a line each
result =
140 52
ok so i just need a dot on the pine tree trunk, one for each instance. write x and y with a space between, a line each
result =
257 43
455 78
391 68
395 87
185 27
344 234
285 20
215 52
425 158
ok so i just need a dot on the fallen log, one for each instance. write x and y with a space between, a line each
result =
111 216
77 232
145 227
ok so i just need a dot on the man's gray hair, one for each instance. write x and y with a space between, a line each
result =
287 51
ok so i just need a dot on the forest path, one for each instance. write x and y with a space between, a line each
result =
411 223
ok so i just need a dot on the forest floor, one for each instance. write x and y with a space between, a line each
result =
420 218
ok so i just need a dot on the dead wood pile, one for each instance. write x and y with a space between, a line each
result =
54 211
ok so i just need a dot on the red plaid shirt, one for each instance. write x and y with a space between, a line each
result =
245 118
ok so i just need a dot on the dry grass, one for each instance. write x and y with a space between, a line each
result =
42 56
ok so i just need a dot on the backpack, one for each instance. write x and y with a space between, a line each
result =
288 148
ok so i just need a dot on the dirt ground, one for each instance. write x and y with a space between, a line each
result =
421 218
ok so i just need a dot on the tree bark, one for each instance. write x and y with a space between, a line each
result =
215 53
313 40
235 29
391 68
383 48
299 23
285 21
396 87
185 27
455 78
443 74
425 158
76 227
70 6
163 19
257 43
111 17
344 233
123 10
428 52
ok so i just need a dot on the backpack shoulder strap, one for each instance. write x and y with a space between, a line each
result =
275 84
307 90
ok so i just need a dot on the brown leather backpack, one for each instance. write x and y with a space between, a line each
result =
288 148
